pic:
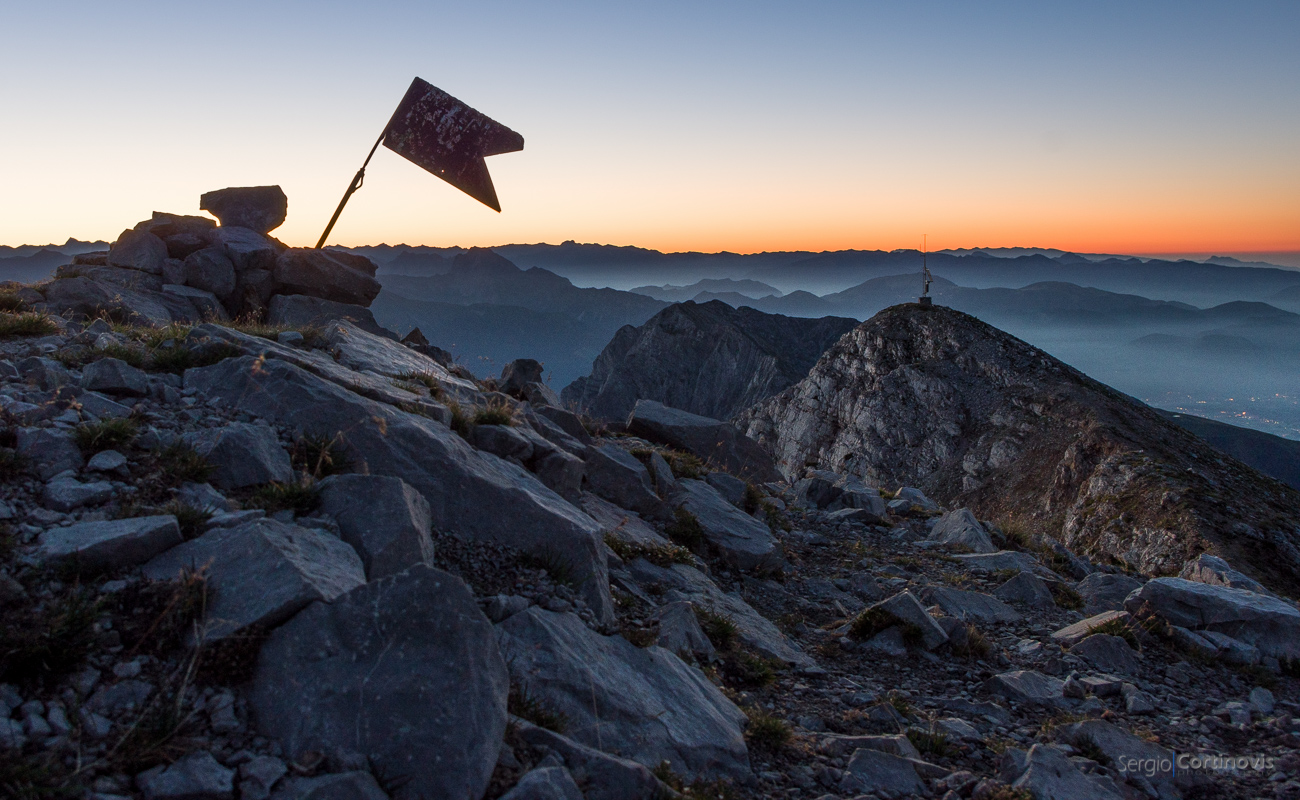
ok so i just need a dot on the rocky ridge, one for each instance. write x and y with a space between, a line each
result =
937 399
707 358
253 560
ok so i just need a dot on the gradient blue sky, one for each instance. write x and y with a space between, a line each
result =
1116 127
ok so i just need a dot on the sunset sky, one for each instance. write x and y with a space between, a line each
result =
1097 127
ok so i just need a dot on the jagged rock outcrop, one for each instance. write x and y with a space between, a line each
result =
709 359
975 417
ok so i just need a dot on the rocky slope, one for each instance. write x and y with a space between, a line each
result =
974 416
303 562
709 359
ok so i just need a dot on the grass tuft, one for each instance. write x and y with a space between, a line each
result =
931 743
977 644
493 414
426 379
720 628
319 456
27 323
300 497
686 530
109 434
47 638
1117 627
180 463
766 732
1065 596
537 711
10 302
659 555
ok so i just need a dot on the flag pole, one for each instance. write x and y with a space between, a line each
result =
357 180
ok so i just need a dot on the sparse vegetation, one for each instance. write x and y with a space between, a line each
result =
1087 748
1118 628
700 789
720 628
976 645
426 379
493 414
191 520
1065 596
299 496
109 434
659 555
875 619
47 638
684 465
525 706
931 742
686 530
747 670
10 302
37 777
766 732
558 567
460 421
26 323
319 456
180 463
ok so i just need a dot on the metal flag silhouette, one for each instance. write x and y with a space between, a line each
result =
442 135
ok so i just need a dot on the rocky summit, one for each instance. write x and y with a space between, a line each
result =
934 398
254 546
707 358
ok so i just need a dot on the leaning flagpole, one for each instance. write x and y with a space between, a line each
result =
357 180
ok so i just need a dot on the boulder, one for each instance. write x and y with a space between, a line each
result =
470 494
516 376
1027 686
258 208
384 519
960 528
299 311
359 350
616 475
262 572
731 488
1074 633
1103 591
138 250
116 377
197 776
65 493
113 544
915 497
1107 653
328 274
562 473
1130 754
545 783
885 774
742 541
165 226
568 421
712 440
1213 570
502 441
1049 774
89 297
601 775
248 250
969 606
242 454
1026 589
620 522
338 786
906 608
1233 651
404 670
644 704
1264 621
212 271
680 632
49 451
205 304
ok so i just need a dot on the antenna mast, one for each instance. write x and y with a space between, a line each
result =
926 278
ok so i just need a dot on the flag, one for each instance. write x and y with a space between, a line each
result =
439 133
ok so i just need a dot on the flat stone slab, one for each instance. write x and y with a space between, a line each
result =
1027 686
969 606
1266 622
743 541
885 774
262 572
1109 653
114 544
643 704
1071 635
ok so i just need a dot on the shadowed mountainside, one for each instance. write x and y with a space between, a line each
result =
940 400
